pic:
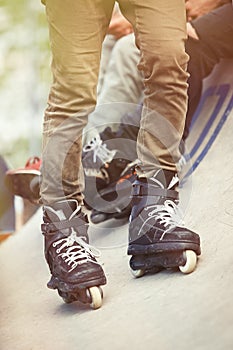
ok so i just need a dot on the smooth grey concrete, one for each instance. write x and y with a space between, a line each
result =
163 311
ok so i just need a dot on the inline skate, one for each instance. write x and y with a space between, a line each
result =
157 237
76 274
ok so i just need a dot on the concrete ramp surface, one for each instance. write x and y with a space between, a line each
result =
164 311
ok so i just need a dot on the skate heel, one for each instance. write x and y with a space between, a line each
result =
53 283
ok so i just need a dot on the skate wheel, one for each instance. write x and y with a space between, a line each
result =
191 262
96 297
97 218
67 300
138 273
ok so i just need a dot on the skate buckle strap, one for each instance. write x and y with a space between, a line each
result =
147 190
51 228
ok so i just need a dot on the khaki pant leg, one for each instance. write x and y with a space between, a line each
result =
121 90
160 34
77 30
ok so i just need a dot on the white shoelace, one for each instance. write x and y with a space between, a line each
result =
182 162
77 254
168 214
99 149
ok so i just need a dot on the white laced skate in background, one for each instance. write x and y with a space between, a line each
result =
99 154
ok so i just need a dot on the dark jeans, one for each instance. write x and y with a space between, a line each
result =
215 31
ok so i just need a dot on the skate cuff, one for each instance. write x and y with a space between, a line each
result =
76 223
142 191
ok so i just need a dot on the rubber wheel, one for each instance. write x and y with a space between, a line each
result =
191 262
67 300
66 297
96 297
97 218
138 273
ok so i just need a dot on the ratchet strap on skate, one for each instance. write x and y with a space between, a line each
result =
142 190
76 223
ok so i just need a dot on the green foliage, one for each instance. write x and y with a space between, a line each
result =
23 29
17 158
24 63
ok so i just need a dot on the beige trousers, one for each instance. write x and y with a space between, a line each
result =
77 30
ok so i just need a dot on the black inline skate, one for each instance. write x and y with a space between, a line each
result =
102 168
113 201
157 238
76 274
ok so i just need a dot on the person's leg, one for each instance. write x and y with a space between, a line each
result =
106 155
215 32
109 144
121 89
124 83
107 47
125 137
117 173
156 238
107 159
76 33
77 30
163 63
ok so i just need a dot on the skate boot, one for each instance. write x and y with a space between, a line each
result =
76 274
25 181
113 201
102 167
157 238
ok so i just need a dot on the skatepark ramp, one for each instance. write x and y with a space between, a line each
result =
164 311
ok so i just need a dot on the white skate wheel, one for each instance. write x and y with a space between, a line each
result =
138 273
191 262
96 297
